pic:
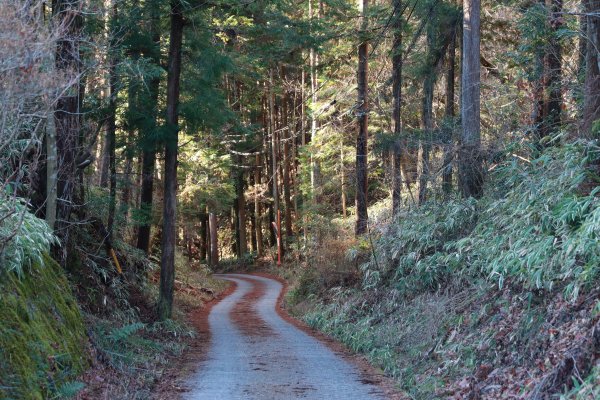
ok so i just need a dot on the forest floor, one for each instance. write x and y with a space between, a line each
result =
146 359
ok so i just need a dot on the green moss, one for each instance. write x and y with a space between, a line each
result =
42 336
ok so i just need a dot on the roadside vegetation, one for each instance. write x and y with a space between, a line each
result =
492 298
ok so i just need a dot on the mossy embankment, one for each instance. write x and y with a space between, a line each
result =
485 299
42 335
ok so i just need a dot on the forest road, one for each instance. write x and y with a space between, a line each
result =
255 354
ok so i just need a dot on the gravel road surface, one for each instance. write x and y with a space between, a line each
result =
255 354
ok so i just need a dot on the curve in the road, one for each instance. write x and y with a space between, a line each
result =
255 354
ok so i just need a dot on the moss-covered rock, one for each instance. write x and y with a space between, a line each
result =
42 335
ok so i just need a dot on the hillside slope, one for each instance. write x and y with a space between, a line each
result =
42 335
495 298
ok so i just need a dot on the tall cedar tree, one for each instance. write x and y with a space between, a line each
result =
397 106
67 116
470 171
111 122
362 111
591 107
149 145
169 231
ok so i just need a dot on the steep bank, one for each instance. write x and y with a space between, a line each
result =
42 335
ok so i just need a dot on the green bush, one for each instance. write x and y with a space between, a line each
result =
24 238
544 231
536 225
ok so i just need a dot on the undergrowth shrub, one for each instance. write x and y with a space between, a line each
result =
136 346
412 252
24 238
535 226
329 266
544 231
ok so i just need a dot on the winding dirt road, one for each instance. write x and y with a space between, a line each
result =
256 354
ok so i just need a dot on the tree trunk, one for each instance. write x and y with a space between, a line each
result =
214 244
274 151
470 170
241 212
397 107
148 140
188 242
51 170
286 129
111 127
258 207
146 198
314 62
582 53
111 140
591 106
268 166
67 116
104 162
169 232
553 83
343 176
203 236
252 217
427 114
126 188
362 111
449 114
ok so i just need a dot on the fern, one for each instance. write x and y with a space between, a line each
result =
69 390
119 335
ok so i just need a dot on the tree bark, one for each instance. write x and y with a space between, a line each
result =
241 212
286 129
470 170
427 115
553 85
203 236
148 143
314 62
126 183
51 170
252 218
582 53
591 106
343 176
449 114
397 107
111 140
214 244
274 151
362 112
169 231
258 207
67 115
146 198
111 126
